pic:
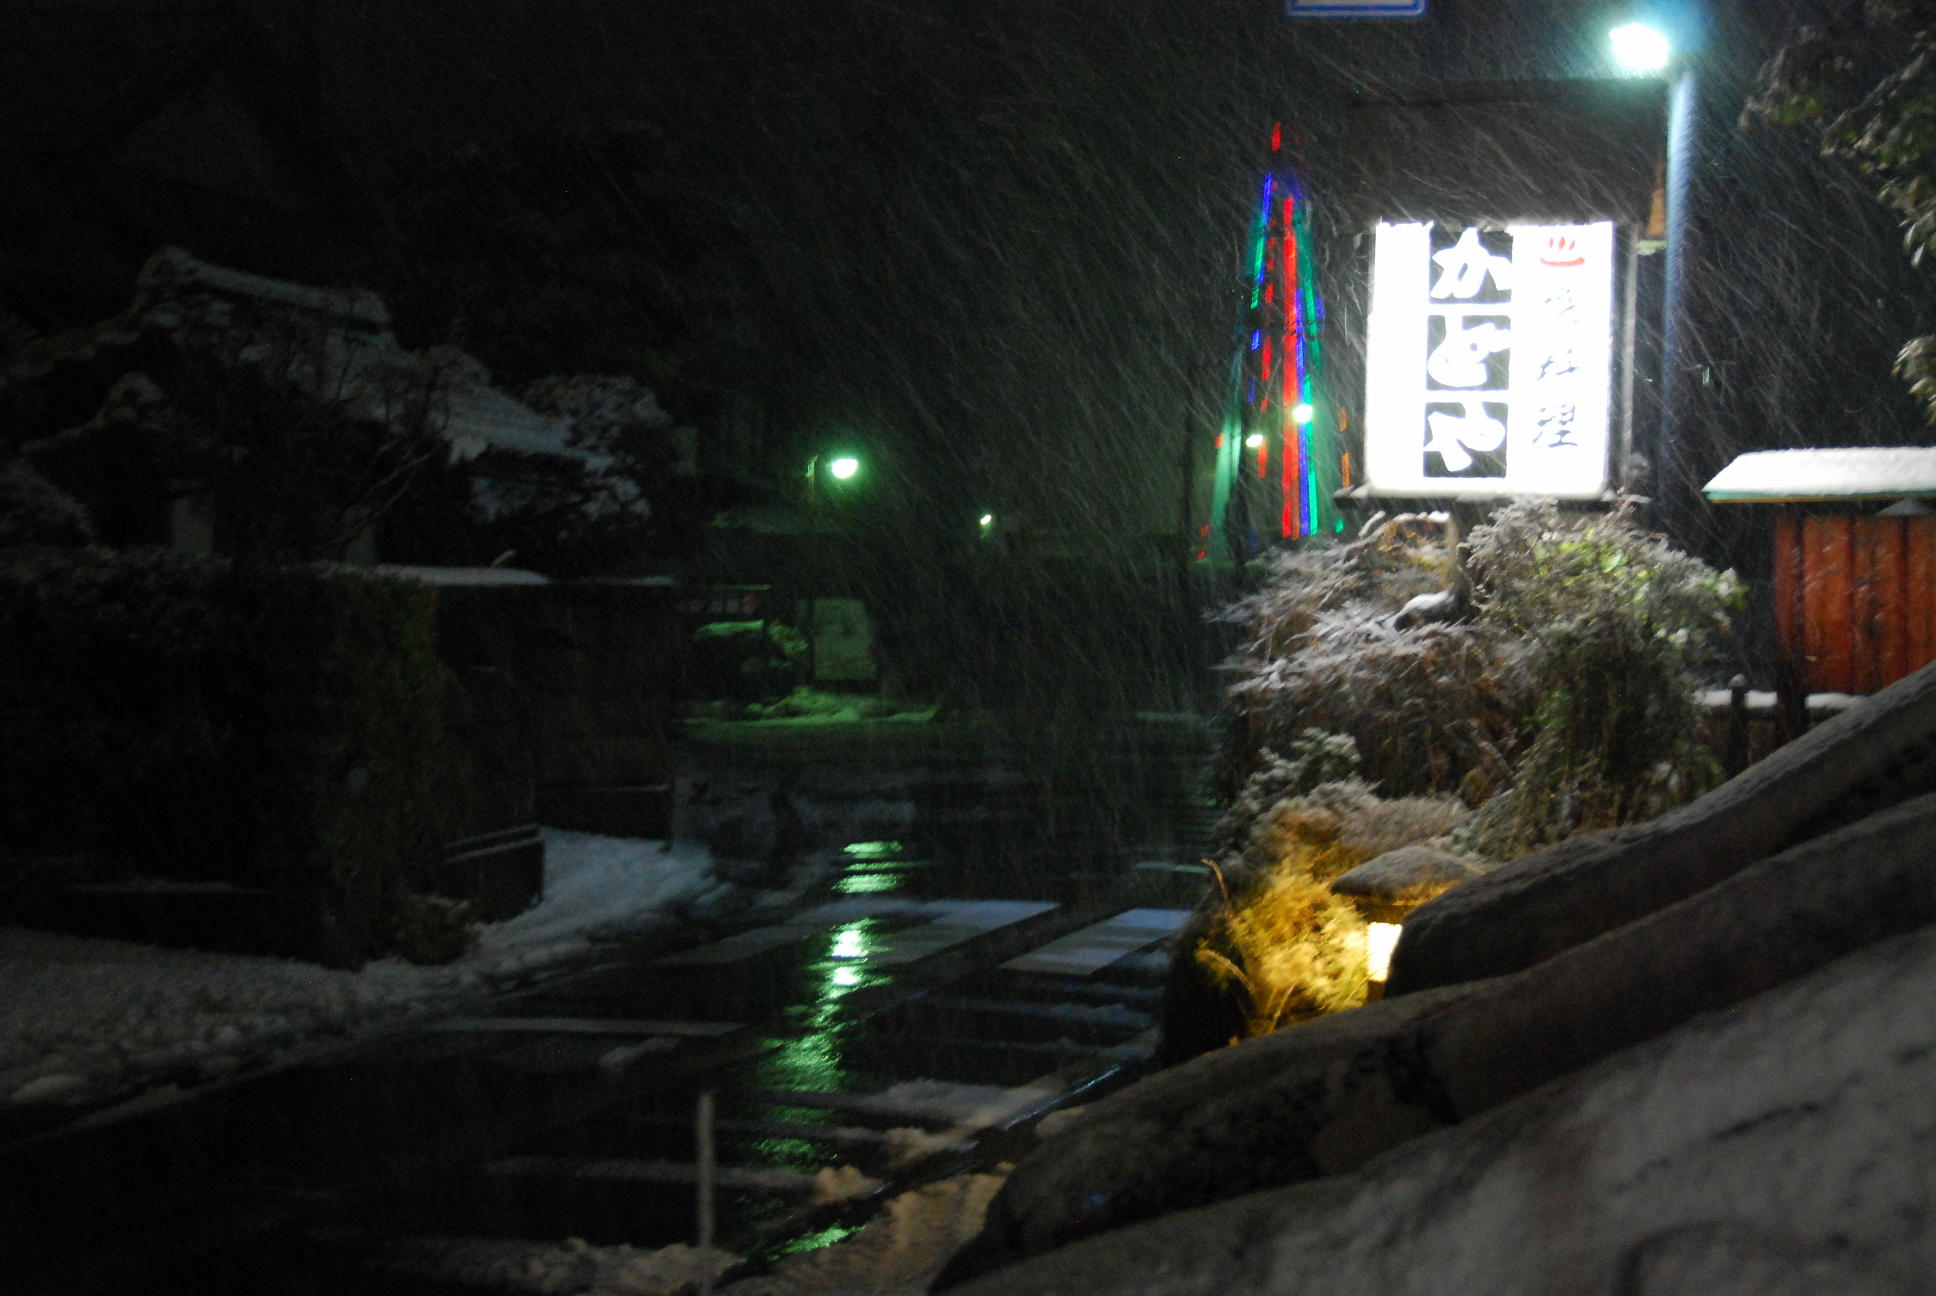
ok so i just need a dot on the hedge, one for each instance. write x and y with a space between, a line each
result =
197 719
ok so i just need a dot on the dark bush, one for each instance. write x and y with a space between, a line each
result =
35 511
194 719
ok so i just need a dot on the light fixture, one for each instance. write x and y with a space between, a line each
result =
1639 48
843 467
1386 890
1254 440
1303 412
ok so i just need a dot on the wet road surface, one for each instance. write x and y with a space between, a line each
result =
907 1021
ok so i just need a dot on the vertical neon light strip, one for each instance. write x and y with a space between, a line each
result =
1310 360
1294 459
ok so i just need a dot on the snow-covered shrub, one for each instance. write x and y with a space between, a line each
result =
1316 758
1614 621
1568 685
1432 707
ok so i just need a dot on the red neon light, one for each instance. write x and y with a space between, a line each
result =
1287 524
1277 136
1267 360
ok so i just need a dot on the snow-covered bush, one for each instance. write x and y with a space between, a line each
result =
1433 707
1563 701
1614 621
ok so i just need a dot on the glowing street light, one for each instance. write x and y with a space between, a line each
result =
1640 49
842 468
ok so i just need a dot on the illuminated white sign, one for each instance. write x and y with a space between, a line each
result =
1490 360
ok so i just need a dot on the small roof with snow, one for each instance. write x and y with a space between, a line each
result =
1855 473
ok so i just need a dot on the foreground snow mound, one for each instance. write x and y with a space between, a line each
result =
897 1253
1784 1147
84 1021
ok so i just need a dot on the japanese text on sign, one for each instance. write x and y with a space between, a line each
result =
1490 360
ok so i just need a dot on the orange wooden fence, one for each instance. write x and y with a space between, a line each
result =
1855 598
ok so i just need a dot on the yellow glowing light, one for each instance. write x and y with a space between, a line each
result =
1380 939
1302 412
1254 440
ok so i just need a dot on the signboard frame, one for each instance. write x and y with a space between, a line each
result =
1474 386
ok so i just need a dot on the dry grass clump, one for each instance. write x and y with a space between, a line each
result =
1295 950
1276 935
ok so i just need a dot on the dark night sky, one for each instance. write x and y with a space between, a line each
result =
995 241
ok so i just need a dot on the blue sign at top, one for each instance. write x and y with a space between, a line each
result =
1353 8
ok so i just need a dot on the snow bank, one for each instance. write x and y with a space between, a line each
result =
1779 1147
85 1021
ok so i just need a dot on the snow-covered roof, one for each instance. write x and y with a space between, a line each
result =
172 269
349 356
1853 473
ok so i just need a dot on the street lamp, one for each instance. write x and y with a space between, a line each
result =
1640 49
842 468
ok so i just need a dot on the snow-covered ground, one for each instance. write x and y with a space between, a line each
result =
86 1021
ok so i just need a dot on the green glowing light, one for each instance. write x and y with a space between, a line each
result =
810 1064
795 1152
814 1241
874 850
867 883
850 942
843 467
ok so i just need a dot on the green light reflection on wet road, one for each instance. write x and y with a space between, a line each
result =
875 866
813 1061
876 850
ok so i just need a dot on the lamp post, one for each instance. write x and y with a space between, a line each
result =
841 467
